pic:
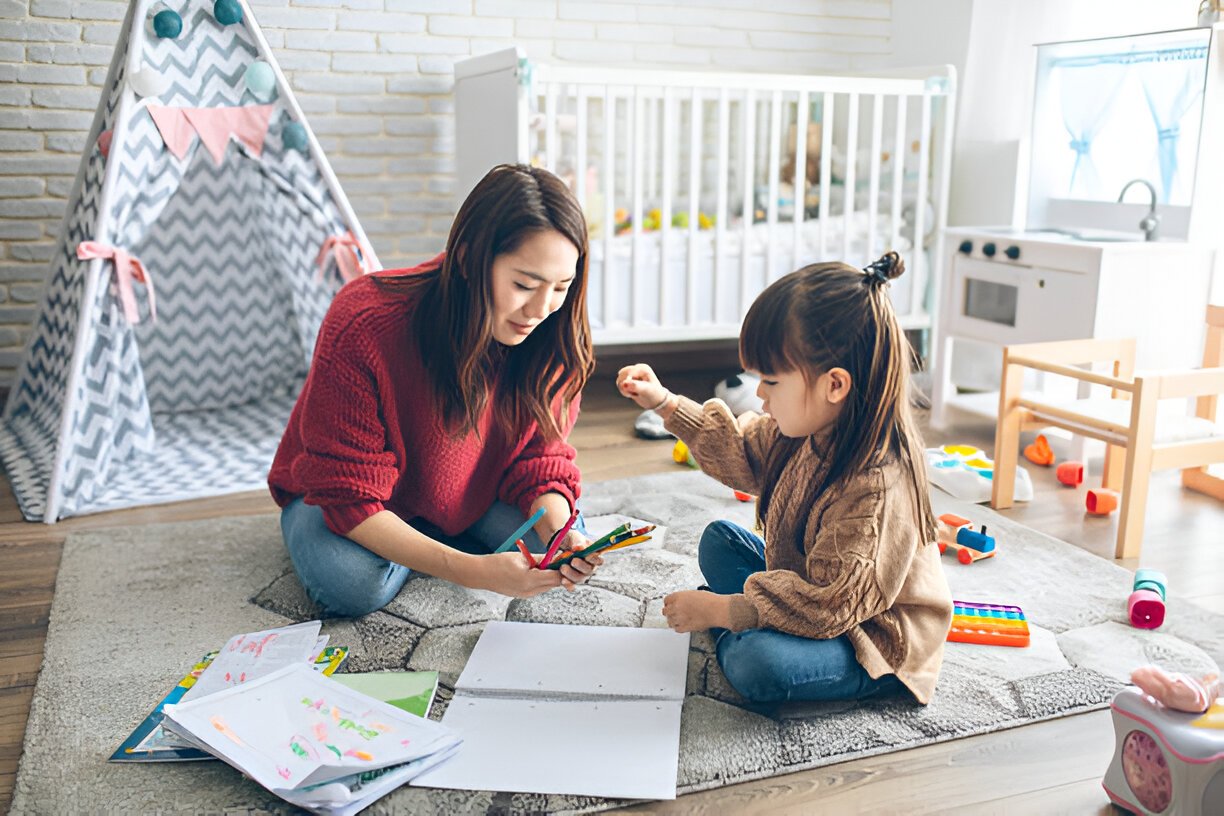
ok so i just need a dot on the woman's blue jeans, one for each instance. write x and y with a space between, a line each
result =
768 666
347 580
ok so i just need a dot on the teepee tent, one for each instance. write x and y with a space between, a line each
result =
204 239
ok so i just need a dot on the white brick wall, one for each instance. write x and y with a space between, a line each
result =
374 78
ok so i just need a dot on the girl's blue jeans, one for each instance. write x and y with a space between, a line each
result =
768 666
347 580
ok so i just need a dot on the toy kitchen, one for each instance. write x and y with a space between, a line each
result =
1125 212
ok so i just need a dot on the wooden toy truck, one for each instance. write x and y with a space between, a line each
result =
958 534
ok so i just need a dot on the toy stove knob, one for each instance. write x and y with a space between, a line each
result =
966 247
1012 252
988 249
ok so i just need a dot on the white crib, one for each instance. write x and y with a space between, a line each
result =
667 164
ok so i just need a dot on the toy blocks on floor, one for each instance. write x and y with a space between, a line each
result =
1039 453
1070 473
1146 605
1101 501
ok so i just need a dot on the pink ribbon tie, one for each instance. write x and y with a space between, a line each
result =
345 249
127 269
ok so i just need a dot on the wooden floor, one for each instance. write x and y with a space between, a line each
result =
1052 767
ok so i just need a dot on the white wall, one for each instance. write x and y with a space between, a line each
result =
374 78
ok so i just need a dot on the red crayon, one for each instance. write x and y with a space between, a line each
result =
526 552
556 540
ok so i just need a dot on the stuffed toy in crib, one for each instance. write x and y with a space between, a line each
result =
811 168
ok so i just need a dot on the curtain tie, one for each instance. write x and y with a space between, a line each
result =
128 268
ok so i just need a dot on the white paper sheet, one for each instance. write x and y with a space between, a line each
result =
253 655
622 748
555 659
582 710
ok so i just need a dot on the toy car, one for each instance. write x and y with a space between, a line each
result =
957 533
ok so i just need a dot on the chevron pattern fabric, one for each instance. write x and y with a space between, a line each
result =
224 334
194 403
198 454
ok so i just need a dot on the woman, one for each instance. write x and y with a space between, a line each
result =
434 419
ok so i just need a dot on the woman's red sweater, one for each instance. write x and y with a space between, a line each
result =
366 436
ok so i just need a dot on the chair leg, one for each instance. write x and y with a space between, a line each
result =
1115 467
1201 481
1131 513
1007 438
1138 470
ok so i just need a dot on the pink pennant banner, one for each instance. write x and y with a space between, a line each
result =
246 123
128 268
175 131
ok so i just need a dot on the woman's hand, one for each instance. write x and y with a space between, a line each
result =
577 570
693 610
639 383
510 574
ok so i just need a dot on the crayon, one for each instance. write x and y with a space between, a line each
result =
526 552
557 538
517 534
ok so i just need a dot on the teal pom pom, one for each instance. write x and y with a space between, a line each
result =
260 79
294 136
227 12
167 24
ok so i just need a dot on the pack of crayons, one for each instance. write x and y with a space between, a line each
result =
621 537
988 624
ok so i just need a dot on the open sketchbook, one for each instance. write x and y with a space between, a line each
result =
582 710
311 740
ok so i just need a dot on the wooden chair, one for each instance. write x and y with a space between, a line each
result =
1138 440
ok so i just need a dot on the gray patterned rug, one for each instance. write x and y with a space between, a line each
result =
134 608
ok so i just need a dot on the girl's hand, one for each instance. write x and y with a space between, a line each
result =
577 570
509 574
693 610
639 383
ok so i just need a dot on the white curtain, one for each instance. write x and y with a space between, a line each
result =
1088 94
1172 88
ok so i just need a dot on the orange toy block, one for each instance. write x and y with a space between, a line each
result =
1039 452
1101 501
1071 473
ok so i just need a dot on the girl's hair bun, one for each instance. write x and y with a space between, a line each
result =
887 268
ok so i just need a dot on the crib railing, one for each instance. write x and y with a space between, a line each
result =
697 158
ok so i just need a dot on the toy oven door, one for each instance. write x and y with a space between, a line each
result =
1007 303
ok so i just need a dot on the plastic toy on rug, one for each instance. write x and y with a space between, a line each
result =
988 624
1169 745
966 472
956 533
1146 605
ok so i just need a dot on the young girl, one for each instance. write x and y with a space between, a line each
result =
845 597
434 419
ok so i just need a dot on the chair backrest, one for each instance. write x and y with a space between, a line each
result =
1213 357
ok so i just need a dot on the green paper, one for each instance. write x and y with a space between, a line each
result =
408 691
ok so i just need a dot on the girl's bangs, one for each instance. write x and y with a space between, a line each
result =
765 344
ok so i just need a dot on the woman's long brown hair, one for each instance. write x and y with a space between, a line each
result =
831 315
541 377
